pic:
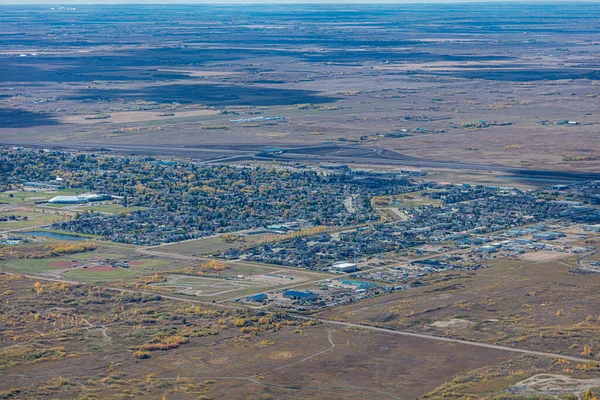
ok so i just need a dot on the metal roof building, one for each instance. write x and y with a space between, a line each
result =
344 267
257 297
82 198
297 295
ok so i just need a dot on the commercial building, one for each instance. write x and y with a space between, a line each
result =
547 235
487 249
593 228
257 298
298 295
81 198
343 267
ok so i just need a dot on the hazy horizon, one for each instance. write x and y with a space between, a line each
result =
219 2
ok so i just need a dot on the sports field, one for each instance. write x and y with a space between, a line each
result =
85 267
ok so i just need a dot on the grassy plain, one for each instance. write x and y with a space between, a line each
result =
89 341
215 244
536 305
32 220
483 97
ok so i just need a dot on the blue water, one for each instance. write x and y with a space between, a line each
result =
54 235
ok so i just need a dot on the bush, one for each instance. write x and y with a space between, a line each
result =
140 354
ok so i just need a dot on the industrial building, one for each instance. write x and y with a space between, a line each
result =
487 249
593 228
81 198
257 298
547 235
343 267
298 295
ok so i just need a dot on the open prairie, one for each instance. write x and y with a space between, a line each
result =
513 85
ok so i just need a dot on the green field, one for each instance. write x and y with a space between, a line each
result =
33 219
84 275
38 266
33 266
31 197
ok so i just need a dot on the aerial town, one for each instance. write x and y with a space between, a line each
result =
315 201
366 232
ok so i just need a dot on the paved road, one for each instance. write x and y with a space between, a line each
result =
313 153
458 341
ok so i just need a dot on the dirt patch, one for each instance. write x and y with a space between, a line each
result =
454 323
219 361
540 256
554 385
136 263
62 264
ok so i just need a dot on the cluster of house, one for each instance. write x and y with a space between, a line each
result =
229 199
467 212
11 240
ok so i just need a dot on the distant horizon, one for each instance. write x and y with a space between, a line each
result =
258 2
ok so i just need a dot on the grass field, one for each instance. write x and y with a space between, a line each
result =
61 267
85 340
33 219
83 275
85 337
33 266
31 197
213 245
141 263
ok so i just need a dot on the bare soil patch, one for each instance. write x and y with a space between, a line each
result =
62 264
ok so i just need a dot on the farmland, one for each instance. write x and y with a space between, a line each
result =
428 87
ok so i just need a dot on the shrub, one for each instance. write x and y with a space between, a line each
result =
140 354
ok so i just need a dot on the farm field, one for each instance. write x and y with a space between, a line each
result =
481 98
